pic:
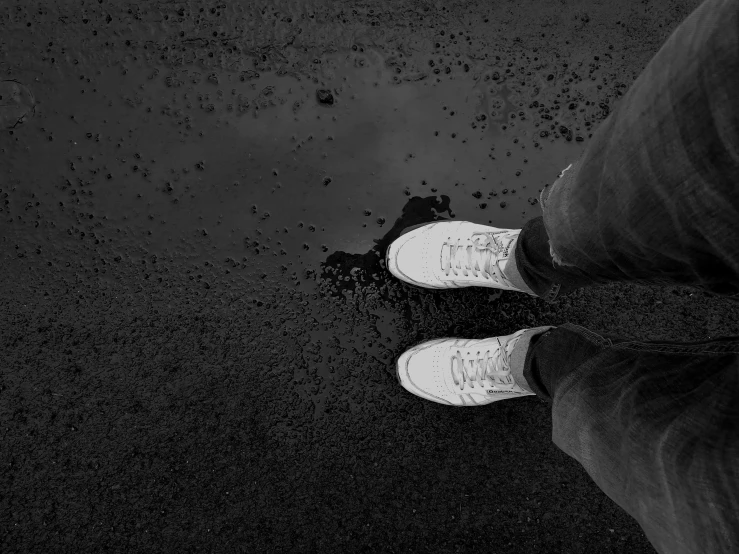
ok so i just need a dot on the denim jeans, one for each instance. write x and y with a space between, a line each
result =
654 199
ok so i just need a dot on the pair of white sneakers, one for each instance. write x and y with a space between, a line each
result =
455 254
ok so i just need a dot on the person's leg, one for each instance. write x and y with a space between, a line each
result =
654 198
655 424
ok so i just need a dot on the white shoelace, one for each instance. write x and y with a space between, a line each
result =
475 370
474 257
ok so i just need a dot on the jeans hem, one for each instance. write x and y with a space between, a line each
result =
553 292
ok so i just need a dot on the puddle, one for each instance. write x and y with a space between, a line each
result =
244 175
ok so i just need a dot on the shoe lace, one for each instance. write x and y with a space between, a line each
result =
473 255
472 369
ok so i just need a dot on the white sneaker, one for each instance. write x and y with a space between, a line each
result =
461 372
452 254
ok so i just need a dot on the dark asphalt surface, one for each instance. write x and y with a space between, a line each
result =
198 333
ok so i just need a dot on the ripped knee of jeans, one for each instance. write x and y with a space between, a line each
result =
556 258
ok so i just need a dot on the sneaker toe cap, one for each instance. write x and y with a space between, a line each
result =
421 370
412 259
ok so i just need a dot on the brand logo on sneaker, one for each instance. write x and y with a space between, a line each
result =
491 391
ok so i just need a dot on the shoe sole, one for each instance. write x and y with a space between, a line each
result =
409 229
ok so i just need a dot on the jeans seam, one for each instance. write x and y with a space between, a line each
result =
676 349
719 349
591 335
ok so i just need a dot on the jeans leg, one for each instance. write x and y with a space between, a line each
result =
655 425
654 198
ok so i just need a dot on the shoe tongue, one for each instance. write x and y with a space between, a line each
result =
510 345
499 245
